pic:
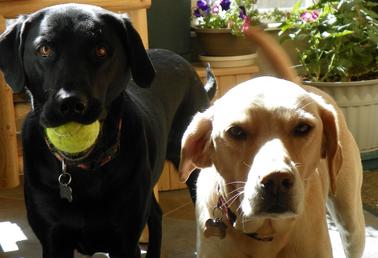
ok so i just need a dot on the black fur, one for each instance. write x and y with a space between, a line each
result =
155 94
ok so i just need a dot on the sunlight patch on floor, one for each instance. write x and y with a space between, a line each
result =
371 241
10 234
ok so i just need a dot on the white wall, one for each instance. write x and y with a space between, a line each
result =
267 4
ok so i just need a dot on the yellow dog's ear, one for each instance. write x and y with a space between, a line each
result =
196 146
331 148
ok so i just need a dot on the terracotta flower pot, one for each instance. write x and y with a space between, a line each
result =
221 42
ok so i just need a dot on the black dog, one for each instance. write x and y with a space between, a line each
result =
82 63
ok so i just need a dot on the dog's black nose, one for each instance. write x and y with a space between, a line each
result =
277 182
71 102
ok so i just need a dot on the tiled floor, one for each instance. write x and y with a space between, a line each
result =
178 229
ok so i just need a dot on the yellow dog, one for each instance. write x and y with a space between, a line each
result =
274 157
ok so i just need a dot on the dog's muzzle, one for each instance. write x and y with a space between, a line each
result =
272 188
274 195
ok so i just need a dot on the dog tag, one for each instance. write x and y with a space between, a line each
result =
216 228
64 180
65 192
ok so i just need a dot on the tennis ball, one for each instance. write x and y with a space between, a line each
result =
73 138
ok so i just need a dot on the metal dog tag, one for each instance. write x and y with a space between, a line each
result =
215 227
65 192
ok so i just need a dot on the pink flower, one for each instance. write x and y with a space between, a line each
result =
215 9
246 24
310 16
305 16
315 15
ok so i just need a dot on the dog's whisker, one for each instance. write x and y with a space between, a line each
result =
226 203
231 200
236 190
235 182
247 165
233 196
240 208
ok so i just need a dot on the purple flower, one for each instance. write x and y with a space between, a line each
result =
202 5
197 13
242 13
225 4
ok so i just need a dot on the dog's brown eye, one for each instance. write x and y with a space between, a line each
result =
237 133
302 129
44 51
101 52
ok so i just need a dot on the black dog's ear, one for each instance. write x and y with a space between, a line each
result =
11 55
142 69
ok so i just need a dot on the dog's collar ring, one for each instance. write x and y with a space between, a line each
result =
65 177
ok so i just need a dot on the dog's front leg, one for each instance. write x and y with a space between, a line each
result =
346 209
132 220
127 243
155 229
57 253
56 235
127 246
350 223
57 244
344 183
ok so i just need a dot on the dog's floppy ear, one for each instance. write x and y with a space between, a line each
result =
331 148
142 69
196 147
11 49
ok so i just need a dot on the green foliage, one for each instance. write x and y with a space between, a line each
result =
341 39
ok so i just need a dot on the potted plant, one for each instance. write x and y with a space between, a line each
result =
340 56
219 25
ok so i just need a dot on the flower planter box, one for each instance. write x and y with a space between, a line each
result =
220 42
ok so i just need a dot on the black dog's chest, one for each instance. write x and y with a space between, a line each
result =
87 187
94 187
96 235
